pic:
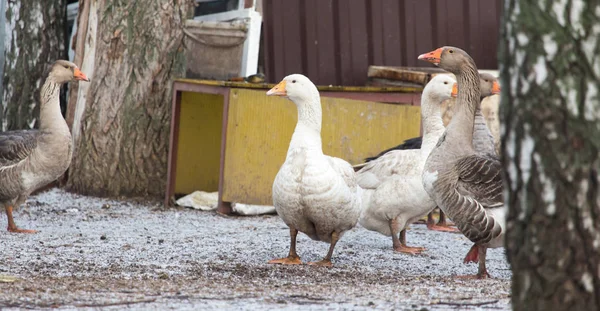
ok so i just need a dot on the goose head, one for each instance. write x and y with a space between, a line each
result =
439 88
449 58
64 71
297 88
488 83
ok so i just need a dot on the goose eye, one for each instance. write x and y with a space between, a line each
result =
445 82
66 67
450 51
486 81
293 81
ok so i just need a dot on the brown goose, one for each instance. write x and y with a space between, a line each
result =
465 185
30 159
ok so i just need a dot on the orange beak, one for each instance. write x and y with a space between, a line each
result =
80 75
278 90
496 88
433 57
454 90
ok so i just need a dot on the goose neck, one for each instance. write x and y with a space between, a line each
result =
50 114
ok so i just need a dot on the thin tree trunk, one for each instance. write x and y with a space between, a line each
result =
122 145
34 38
551 143
80 42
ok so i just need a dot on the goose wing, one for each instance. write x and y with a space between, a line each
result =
475 198
396 162
481 179
344 169
16 146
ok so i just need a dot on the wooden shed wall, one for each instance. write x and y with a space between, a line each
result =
334 41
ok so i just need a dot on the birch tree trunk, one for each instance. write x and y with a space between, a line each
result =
551 142
34 37
123 137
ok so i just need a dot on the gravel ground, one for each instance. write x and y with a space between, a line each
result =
94 253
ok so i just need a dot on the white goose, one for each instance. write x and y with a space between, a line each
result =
312 192
391 204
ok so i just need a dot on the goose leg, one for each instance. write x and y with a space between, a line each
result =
399 244
482 271
326 262
12 227
477 253
441 225
292 258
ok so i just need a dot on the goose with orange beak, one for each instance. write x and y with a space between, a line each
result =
465 184
312 193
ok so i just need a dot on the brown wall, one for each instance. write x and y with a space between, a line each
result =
334 41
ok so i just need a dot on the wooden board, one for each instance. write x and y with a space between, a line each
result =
418 75
199 147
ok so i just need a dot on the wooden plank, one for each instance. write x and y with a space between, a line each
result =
388 82
423 30
376 34
199 143
326 42
311 33
474 31
345 43
441 16
267 41
392 40
209 87
457 28
292 32
488 36
359 42
416 75
410 33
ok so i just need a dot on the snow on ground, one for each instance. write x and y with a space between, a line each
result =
95 253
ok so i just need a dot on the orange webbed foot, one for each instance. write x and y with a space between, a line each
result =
18 230
290 260
472 255
409 249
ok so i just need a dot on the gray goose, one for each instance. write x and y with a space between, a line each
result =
30 159
483 140
466 185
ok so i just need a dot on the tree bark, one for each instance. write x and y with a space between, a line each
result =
551 114
123 139
34 38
